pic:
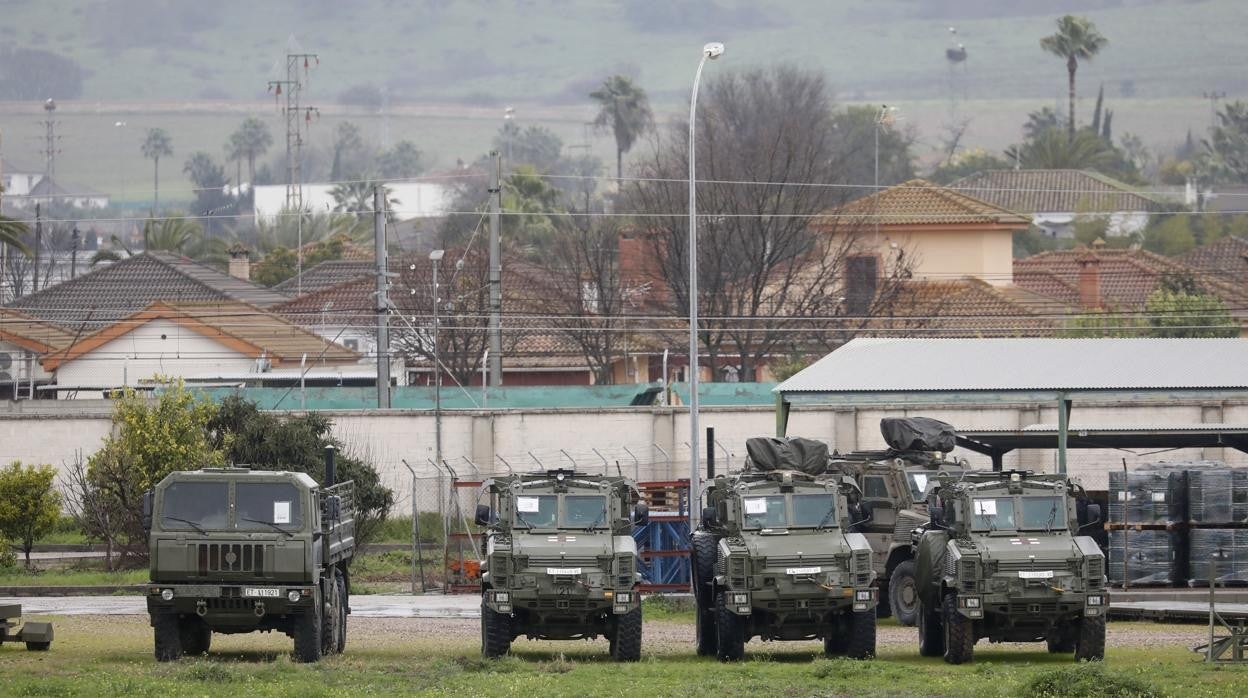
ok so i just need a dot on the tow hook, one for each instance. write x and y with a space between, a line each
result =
259 610
201 608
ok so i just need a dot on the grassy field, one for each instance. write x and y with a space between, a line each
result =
112 656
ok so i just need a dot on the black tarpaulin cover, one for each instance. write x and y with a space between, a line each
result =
770 453
918 434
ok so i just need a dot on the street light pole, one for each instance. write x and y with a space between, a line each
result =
711 51
436 257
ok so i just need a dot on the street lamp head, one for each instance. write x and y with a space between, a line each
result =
436 255
713 50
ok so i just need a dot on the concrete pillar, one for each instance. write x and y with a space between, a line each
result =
663 433
1036 459
1211 413
483 444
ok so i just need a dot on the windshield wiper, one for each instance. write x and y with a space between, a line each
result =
601 515
1048 527
520 519
269 523
188 522
827 518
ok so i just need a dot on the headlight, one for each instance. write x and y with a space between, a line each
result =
972 602
862 595
1094 601
167 594
293 596
740 599
624 597
502 597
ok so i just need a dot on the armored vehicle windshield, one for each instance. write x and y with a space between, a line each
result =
1018 513
775 511
581 511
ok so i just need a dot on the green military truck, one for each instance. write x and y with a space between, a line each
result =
895 482
775 557
235 550
1002 559
560 561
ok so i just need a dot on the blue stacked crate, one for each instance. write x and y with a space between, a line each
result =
1147 530
1218 516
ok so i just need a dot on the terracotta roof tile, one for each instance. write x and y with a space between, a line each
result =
919 202
1227 258
1055 191
326 274
31 334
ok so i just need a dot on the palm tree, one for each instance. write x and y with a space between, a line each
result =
1055 150
1076 39
251 140
11 232
157 144
172 234
625 109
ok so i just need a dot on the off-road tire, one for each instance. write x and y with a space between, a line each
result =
38 646
836 637
307 632
495 632
959 633
931 631
1090 642
861 635
195 636
165 628
626 642
730 638
903 594
1061 640
331 617
704 554
345 600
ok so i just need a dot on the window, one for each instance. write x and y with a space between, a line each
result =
352 344
581 511
814 510
1045 513
187 505
262 505
537 510
992 513
874 488
764 512
861 276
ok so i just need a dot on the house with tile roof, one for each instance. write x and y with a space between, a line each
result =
204 341
23 342
1226 258
1053 199
941 233
106 295
326 274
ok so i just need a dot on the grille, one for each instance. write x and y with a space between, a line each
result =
968 577
560 604
232 557
737 572
624 571
498 570
795 561
905 524
562 561
1022 565
1033 607
230 604
862 567
1096 572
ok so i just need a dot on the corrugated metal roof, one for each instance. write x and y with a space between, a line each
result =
957 365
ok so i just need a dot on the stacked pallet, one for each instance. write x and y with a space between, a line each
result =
1175 523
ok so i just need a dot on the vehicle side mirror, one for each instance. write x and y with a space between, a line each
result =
867 511
938 514
709 516
484 515
331 509
147 511
1093 515
641 514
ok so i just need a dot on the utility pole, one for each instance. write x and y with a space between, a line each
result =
34 287
496 279
295 113
50 150
73 256
1213 98
383 302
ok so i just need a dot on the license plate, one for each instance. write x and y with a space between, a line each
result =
255 592
562 571
1035 574
803 570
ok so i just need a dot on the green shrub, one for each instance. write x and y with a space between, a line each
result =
8 559
1090 680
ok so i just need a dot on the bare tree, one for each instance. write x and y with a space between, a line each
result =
769 163
464 307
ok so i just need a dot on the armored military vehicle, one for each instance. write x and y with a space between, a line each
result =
775 557
894 482
235 551
1002 559
36 634
560 561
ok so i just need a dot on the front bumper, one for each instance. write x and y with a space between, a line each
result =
1065 603
773 600
257 600
564 598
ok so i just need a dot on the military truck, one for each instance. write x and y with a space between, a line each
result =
775 558
894 482
36 634
235 550
560 561
1001 559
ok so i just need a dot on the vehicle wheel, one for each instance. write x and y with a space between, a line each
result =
730 638
861 635
308 631
331 616
345 601
195 635
1061 640
1090 645
959 633
931 632
903 594
626 644
495 632
38 646
168 638
704 592
836 636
